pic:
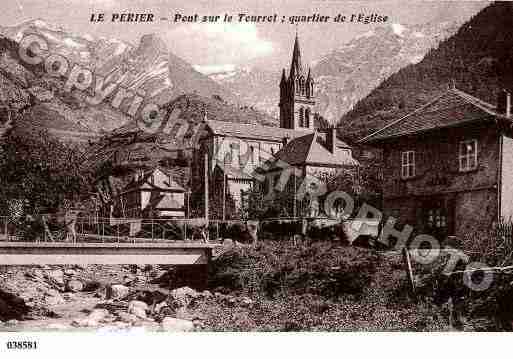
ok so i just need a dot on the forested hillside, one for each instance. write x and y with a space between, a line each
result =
478 59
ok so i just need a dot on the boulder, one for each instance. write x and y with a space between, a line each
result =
116 291
176 325
246 302
207 294
183 297
54 300
138 308
98 315
74 286
126 317
56 277
70 272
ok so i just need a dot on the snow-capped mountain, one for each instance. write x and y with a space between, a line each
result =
148 67
348 73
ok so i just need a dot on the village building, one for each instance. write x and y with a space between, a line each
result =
151 194
448 166
234 151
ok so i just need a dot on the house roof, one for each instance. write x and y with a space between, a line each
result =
452 108
258 132
309 149
168 202
165 183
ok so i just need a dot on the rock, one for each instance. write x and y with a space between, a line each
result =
227 242
138 308
176 325
70 272
126 317
246 302
207 294
51 292
84 322
91 286
54 300
116 291
98 314
68 296
159 306
56 276
230 300
121 325
57 326
183 297
74 286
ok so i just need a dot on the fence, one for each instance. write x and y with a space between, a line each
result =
97 229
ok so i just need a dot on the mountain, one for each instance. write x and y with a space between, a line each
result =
129 147
346 74
477 59
255 86
149 67
39 100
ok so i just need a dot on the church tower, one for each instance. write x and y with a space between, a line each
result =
297 94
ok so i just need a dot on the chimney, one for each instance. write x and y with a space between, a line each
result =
331 139
504 103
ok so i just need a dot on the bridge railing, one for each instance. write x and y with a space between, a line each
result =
100 229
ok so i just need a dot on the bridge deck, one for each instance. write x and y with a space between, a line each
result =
176 253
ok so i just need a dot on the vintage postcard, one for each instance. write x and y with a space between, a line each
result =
255 166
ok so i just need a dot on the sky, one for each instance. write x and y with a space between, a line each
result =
221 46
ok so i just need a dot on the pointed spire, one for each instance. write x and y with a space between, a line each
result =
205 119
283 77
309 77
296 67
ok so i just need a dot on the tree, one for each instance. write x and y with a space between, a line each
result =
41 171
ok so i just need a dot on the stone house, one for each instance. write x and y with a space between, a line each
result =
151 194
309 160
448 165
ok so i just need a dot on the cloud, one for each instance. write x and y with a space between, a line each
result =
218 44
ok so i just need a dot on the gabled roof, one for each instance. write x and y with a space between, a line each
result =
452 108
256 132
163 182
168 202
309 149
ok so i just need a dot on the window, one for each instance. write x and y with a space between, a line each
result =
234 154
436 218
468 155
307 118
408 164
251 154
301 117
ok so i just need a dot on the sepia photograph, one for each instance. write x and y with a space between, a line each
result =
255 166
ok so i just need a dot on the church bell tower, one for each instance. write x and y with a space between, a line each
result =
297 94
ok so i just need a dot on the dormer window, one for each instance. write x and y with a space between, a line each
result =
408 164
468 155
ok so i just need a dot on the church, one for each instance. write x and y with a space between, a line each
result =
241 156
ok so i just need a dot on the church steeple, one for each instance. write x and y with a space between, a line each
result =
296 68
297 94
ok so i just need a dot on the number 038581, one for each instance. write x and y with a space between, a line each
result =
21 345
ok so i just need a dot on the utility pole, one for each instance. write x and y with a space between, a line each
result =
206 184
294 198
224 195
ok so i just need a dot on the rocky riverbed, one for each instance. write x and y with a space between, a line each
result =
101 298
